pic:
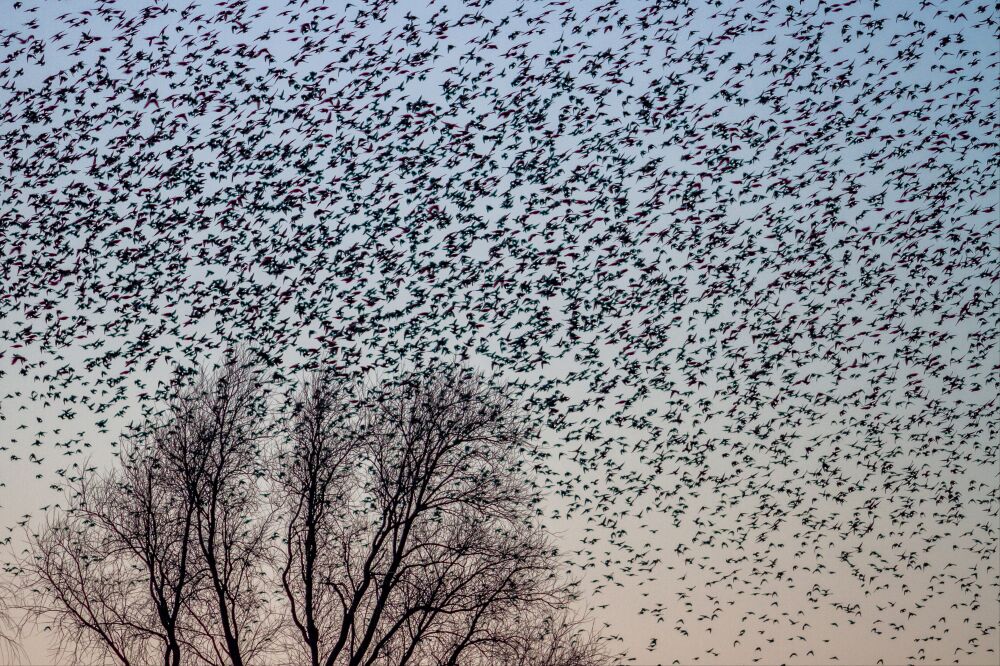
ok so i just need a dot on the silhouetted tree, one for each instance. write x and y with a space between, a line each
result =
397 523
214 459
113 571
10 649
166 554
410 534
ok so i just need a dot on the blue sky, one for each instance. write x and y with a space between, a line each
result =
751 232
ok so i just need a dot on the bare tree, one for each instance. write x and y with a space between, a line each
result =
555 639
214 459
313 486
10 649
409 524
393 524
112 571
165 554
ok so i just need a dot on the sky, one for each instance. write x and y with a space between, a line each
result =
742 257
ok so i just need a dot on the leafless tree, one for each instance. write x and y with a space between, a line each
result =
410 534
313 485
214 458
369 525
112 571
555 639
164 554
10 649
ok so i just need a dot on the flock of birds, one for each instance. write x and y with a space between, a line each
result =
741 256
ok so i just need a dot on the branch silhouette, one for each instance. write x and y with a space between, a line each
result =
392 523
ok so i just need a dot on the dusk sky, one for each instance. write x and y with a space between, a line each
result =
739 259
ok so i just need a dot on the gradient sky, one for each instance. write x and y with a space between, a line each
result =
816 451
